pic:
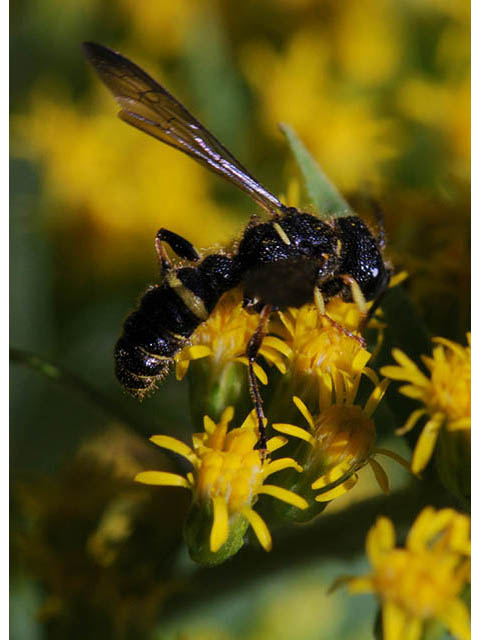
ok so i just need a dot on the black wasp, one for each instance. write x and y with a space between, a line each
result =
292 259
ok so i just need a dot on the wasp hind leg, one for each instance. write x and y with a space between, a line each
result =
253 348
182 247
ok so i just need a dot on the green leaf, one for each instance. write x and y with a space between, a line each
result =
325 196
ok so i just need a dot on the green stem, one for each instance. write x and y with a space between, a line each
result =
71 381
337 536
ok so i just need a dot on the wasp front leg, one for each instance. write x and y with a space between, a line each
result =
320 304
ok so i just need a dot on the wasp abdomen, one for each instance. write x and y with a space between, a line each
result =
166 317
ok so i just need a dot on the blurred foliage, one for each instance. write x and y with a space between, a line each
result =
379 92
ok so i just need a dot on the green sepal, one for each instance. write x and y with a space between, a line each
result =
453 463
212 389
197 530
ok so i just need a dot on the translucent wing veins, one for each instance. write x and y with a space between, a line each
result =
149 107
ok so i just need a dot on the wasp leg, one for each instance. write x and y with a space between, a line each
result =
253 348
182 247
378 213
320 304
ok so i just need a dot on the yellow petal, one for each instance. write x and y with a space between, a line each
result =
410 373
404 361
301 406
219 533
162 478
360 360
430 523
426 443
287 321
398 278
376 397
380 539
276 443
363 584
380 475
208 424
332 476
416 392
281 463
278 344
227 415
273 357
259 527
296 432
461 424
181 369
454 346
259 372
414 629
411 422
195 352
394 621
167 442
339 490
283 494
456 618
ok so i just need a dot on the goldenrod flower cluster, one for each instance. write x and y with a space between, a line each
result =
422 582
313 362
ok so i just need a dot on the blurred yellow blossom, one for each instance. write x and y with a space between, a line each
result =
162 27
445 107
368 40
423 581
343 131
120 183
446 394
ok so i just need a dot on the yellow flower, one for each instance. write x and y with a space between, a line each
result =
224 337
446 394
423 581
341 441
227 477
320 355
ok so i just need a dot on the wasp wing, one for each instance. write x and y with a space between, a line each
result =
146 105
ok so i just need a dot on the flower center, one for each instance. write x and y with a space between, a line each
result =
318 345
345 433
233 471
228 328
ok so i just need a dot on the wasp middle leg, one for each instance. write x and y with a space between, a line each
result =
253 348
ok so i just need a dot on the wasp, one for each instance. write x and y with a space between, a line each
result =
287 261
